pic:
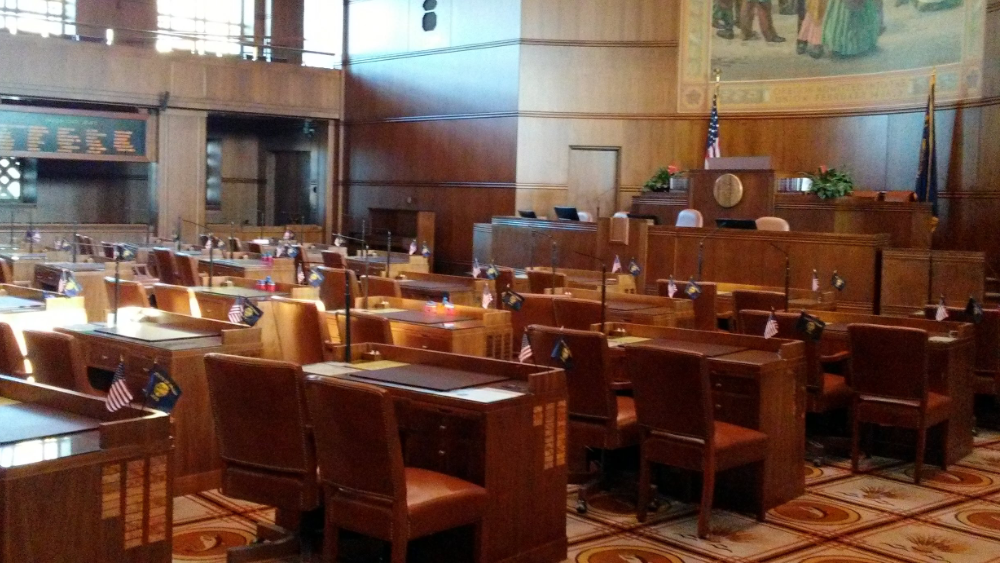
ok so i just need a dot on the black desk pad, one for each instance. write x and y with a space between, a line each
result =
26 421
235 291
429 377
707 349
424 317
148 332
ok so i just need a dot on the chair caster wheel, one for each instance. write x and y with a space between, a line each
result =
581 506
818 462
653 506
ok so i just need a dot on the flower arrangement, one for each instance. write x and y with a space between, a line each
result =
660 182
831 183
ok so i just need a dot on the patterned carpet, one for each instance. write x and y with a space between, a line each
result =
875 516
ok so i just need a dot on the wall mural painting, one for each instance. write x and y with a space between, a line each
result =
801 55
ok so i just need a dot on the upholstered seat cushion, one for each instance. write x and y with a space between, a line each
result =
835 394
626 411
736 445
903 413
436 501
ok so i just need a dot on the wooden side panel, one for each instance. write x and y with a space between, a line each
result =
180 181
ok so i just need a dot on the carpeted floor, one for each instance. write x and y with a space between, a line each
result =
875 516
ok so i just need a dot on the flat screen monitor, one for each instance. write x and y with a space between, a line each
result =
653 218
529 214
568 213
746 224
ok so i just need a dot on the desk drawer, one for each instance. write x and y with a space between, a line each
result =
736 401
103 356
441 439
427 339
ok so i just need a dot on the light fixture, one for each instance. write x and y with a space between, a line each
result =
110 35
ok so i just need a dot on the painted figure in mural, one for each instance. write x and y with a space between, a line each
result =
811 30
726 16
762 10
851 27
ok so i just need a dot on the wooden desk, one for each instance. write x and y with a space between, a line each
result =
24 308
75 476
756 383
399 263
90 276
456 332
281 271
514 446
950 363
197 463
622 282
640 309
460 290
912 278
798 299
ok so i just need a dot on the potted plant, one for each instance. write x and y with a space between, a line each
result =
831 183
660 182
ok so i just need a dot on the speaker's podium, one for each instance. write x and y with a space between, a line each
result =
733 188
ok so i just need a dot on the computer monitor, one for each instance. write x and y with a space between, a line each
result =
653 218
527 214
567 213
746 224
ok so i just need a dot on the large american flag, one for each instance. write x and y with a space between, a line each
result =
712 148
118 394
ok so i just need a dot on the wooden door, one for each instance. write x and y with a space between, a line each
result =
291 187
593 180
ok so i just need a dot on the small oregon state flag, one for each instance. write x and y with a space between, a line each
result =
812 327
315 277
693 290
633 268
512 299
838 282
562 354
492 272
251 313
974 310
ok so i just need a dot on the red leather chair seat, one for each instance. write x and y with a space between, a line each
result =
436 501
736 445
904 413
626 412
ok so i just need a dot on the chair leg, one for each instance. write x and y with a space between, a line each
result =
944 444
331 542
643 502
918 467
478 543
397 550
855 444
761 490
707 494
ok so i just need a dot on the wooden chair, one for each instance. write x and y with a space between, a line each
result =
235 244
130 293
381 287
186 269
331 291
333 259
772 224
380 497
165 267
109 250
757 301
679 428
705 315
255 248
888 371
539 281
536 310
597 417
173 298
266 444
365 327
300 331
56 359
6 272
987 364
576 314
11 359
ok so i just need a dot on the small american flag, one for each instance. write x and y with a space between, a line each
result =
236 312
288 235
118 394
671 287
487 297
301 275
771 328
426 251
476 270
712 146
413 247
525 356
815 281
617 266
941 313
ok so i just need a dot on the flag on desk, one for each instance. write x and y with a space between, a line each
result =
476 270
245 312
713 148
300 274
288 234
771 328
413 247
815 281
974 310
633 268
161 390
338 241
63 244
425 251
562 354
68 284
838 282
525 355
33 235
693 290
512 299
671 287
926 188
118 394
492 272
315 277
942 312
812 327
236 312
617 266
125 252
487 296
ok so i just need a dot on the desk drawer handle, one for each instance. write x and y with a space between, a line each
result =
442 427
441 452
718 386
718 407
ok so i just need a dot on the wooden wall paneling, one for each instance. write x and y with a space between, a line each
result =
989 148
376 27
991 54
599 20
94 17
485 21
180 188
905 280
636 248
593 179
958 276
758 194
905 135
514 245
287 29
964 149
664 206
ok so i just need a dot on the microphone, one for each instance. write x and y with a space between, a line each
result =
788 270
701 249
552 256
347 293
604 285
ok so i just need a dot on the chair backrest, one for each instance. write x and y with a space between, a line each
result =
172 298
130 293
539 281
690 218
757 301
577 314
56 360
6 272
588 377
235 244
259 402
888 361
585 216
333 259
300 333
753 322
772 224
11 359
686 410
186 269
255 247
379 286
365 327
165 265
109 250
987 334
705 315
85 244
536 310
359 423
331 291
